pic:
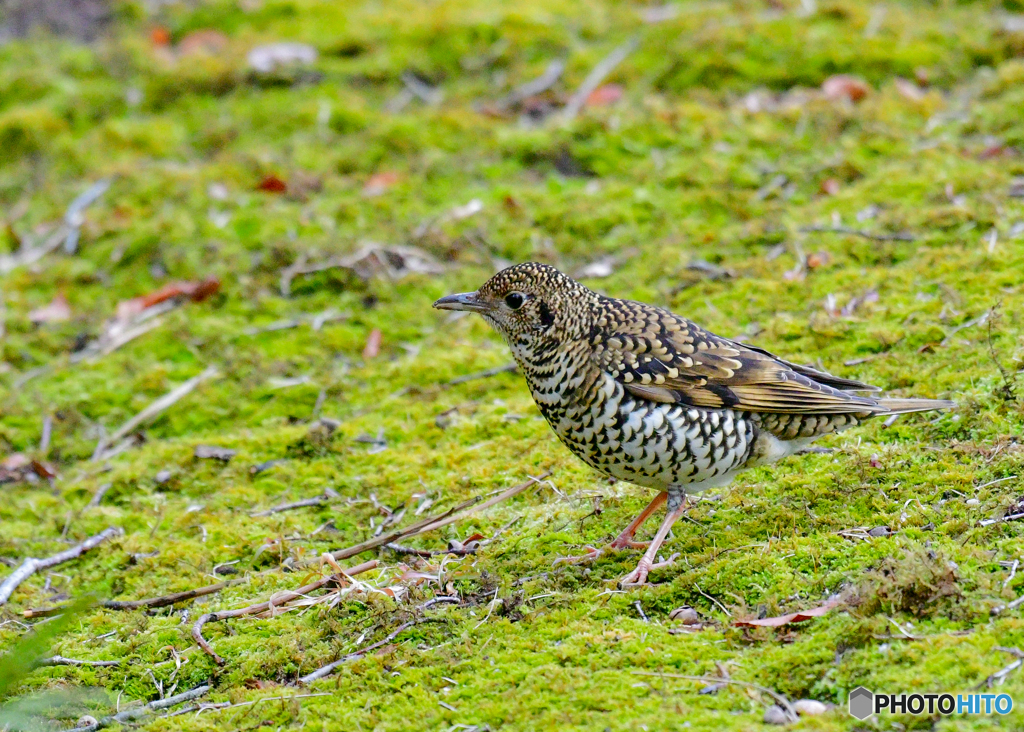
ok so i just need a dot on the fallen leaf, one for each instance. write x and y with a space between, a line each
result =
43 469
58 310
604 95
372 347
272 184
779 621
908 89
15 461
378 183
206 40
818 259
830 186
211 452
160 36
265 59
193 290
843 86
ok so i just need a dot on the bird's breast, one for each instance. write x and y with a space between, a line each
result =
647 443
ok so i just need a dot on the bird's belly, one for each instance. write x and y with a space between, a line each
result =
649 443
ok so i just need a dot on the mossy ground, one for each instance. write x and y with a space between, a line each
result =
679 169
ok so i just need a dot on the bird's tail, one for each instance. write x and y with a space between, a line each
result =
906 406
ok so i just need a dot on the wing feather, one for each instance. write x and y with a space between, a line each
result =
662 357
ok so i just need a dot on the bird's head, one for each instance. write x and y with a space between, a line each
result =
527 303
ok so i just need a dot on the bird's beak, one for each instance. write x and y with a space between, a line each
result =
470 301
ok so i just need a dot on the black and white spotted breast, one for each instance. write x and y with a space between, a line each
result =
648 443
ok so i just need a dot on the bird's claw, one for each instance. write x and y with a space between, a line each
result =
638 577
591 554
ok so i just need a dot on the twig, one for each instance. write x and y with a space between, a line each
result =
902 236
329 668
305 503
1004 519
458 552
1000 676
434 522
509 368
980 320
173 598
782 700
129 715
154 409
720 605
73 218
30 566
596 76
97 497
62 661
533 87
275 600
1008 606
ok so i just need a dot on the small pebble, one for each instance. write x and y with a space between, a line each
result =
972 502
879 531
775 715
162 477
685 615
809 707
86 721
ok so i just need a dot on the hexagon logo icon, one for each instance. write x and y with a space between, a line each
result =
862 703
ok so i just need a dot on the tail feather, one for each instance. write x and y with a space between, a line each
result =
907 406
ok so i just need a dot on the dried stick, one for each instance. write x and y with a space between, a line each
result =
318 501
30 566
153 410
782 700
858 232
596 76
275 600
131 714
326 670
173 598
509 368
61 661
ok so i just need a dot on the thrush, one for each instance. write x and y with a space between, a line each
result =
648 397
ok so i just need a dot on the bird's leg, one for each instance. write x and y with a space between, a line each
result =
639 575
623 540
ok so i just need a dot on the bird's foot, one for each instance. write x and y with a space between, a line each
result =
620 542
591 553
638 577
626 542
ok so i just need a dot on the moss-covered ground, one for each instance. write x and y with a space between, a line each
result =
709 156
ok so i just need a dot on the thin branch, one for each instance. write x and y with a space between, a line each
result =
30 566
62 661
275 600
329 668
533 87
782 700
902 236
509 368
596 76
129 715
173 598
153 410
305 503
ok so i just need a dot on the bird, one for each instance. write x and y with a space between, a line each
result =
649 397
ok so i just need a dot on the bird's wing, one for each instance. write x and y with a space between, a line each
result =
662 357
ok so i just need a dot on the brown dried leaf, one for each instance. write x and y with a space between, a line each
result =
372 347
378 183
272 184
58 310
843 86
604 95
779 621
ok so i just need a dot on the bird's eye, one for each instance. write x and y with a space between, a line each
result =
514 300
